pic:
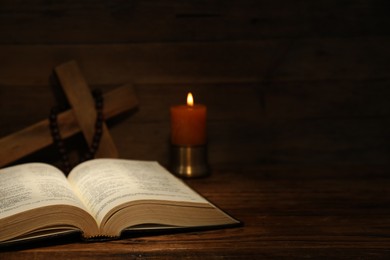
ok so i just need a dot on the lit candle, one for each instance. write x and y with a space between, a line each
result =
188 123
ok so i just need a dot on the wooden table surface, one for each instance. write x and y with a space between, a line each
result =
288 211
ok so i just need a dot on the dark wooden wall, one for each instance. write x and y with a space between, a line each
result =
292 82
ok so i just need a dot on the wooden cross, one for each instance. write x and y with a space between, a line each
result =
81 117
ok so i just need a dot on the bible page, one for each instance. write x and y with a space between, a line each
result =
33 185
105 183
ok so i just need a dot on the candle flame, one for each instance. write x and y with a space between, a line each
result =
190 100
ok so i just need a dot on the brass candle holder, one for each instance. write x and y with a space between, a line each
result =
189 161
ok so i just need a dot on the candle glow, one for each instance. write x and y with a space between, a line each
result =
190 99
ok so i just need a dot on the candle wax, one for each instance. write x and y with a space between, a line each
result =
188 125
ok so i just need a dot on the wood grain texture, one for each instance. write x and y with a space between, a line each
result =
354 58
171 21
289 212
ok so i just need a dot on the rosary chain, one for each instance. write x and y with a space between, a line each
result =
59 142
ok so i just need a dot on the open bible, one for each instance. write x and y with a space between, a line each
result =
100 198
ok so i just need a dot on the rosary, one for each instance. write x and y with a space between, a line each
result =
59 142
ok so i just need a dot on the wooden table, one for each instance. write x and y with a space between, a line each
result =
288 211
